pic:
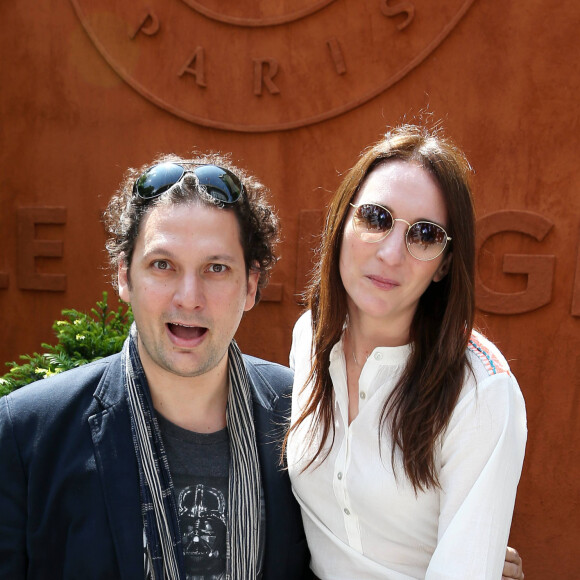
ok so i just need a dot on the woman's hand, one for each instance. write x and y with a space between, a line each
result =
513 565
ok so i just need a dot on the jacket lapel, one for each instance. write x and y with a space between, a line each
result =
117 466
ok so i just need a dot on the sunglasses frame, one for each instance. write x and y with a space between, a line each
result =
359 205
205 182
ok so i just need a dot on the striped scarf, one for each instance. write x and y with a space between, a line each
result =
163 553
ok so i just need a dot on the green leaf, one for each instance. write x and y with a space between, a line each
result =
81 338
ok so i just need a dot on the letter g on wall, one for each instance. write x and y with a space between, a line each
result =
538 268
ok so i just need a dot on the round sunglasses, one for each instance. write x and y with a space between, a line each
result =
223 185
373 223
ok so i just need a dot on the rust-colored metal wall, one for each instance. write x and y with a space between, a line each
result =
295 90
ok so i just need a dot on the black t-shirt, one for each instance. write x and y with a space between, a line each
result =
199 466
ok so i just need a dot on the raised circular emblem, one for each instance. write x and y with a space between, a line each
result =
259 66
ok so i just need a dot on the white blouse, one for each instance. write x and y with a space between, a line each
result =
364 521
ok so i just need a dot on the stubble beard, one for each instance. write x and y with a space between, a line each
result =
165 359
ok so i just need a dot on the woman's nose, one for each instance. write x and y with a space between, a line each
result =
393 248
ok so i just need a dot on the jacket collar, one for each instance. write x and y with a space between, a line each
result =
262 392
111 388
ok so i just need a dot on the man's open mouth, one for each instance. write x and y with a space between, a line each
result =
186 332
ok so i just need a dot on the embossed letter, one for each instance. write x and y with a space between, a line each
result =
148 24
539 268
403 7
265 69
337 57
273 292
196 66
29 248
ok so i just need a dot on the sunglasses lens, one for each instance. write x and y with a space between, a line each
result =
220 183
372 222
157 180
426 241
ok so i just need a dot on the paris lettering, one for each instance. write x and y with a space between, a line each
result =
260 67
265 69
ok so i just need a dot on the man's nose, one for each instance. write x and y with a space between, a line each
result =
189 292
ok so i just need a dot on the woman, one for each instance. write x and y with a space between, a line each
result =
408 428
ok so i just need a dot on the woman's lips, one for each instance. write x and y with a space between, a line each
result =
383 283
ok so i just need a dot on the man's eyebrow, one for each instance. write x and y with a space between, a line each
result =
220 258
158 250
161 250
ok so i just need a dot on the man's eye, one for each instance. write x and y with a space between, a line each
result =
161 265
217 268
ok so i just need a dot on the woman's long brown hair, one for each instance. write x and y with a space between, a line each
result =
420 406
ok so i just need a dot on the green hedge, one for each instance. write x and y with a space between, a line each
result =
82 338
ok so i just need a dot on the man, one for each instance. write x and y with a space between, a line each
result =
162 461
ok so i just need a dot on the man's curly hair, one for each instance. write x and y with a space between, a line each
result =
259 229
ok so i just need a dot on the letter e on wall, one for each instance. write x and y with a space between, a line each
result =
30 248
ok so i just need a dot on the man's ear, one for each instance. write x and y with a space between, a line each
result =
123 280
443 268
253 279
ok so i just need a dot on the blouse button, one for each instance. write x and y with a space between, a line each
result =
346 511
378 356
339 475
363 395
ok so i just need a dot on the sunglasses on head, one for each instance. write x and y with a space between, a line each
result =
220 183
373 223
